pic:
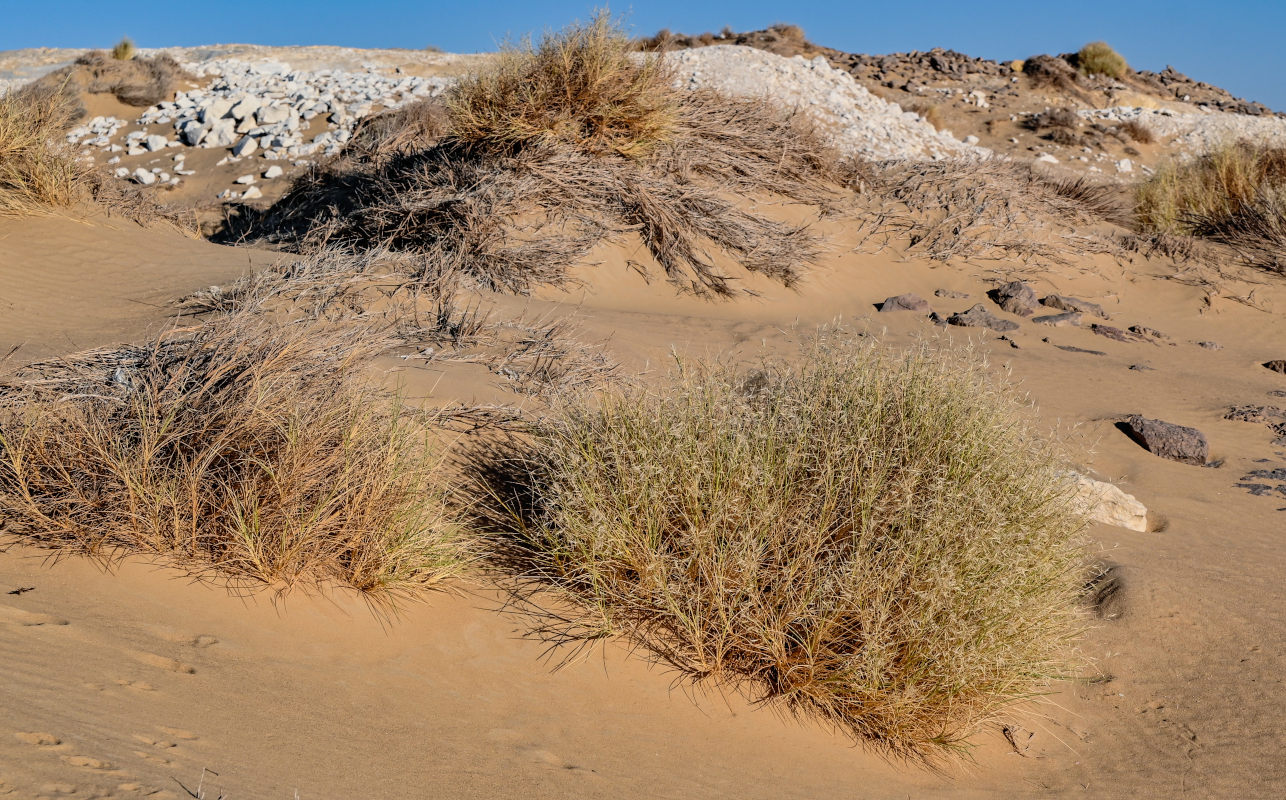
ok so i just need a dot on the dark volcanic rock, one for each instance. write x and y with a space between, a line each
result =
905 302
1167 440
1277 365
1015 297
1059 320
1144 330
1117 334
1064 303
1210 345
1263 414
979 317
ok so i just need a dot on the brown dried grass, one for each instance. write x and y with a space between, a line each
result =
37 168
241 449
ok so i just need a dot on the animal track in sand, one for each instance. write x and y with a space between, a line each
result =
58 788
27 619
161 662
152 758
162 743
39 739
138 686
87 762
179 733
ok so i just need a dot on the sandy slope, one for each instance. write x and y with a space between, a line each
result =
131 684
69 284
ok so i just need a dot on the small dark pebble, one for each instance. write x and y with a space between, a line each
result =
1141 367
1210 345
1144 330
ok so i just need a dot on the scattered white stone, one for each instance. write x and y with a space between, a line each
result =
245 179
1046 158
971 139
246 146
122 172
1125 165
1106 503
155 142
144 177
252 193
273 172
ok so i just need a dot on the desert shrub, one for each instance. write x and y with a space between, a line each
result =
124 50
1098 58
241 448
1185 195
1235 194
37 168
1136 131
1053 118
513 212
878 538
579 86
1044 71
135 81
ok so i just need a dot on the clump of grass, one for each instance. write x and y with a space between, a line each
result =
580 86
37 168
1137 131
1098 58
527 168
1235 194
124 49
1185 195
135 81
878 538
239 448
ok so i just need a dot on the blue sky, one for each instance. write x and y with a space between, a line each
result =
1237 44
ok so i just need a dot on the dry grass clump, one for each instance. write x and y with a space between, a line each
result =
36 166
1234 194
991 209
498 187
877 538
135 81
1137 131
581 87
1098 58
123 50
240 448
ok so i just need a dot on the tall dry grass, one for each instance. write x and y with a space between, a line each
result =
1235 194
243 449
881 539
584 86
37 168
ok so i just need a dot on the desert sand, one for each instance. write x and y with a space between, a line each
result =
139 681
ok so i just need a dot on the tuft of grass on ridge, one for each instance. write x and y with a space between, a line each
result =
123 50
582 86
1098 58
37 168
879 539
240 448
